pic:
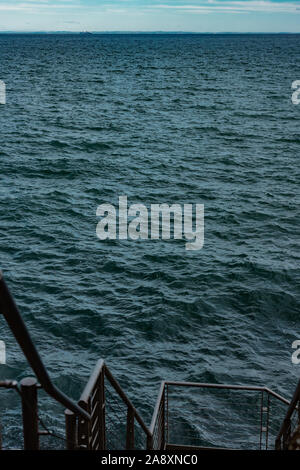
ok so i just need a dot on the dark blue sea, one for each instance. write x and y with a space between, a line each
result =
162 119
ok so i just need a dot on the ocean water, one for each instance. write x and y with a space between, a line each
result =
160 118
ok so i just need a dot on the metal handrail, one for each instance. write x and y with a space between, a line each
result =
126 400
230 387
157 406
164 385
14 320
293 406
92 381
208 385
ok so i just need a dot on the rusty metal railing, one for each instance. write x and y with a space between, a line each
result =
105 418
95 434
32 423
114 423
85 421
7 384
290 423
158 423
216 416
14 320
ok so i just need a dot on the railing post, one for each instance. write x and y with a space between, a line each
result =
102 443
83 429
130 429
30 413
167 413
286 434
149 442
278 444
267 421
71 434
163 422
14 320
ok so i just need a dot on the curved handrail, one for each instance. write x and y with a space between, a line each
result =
102 367
293 406
14 320
88 389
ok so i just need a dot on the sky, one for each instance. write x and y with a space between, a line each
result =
151 15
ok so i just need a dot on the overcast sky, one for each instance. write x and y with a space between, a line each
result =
150 15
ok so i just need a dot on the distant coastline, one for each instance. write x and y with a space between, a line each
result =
79 33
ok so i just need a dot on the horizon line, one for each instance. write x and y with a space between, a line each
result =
142 32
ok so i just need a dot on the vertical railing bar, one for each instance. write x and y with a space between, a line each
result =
286 433
267 421
83 428
102 425
292 405
130 429
149 444
94 407
71 434
261 417
167 421
103 410
163 422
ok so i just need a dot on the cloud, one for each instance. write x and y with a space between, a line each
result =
125 6
151 15
37 5
214 6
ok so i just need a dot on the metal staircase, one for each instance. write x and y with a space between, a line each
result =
187 415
